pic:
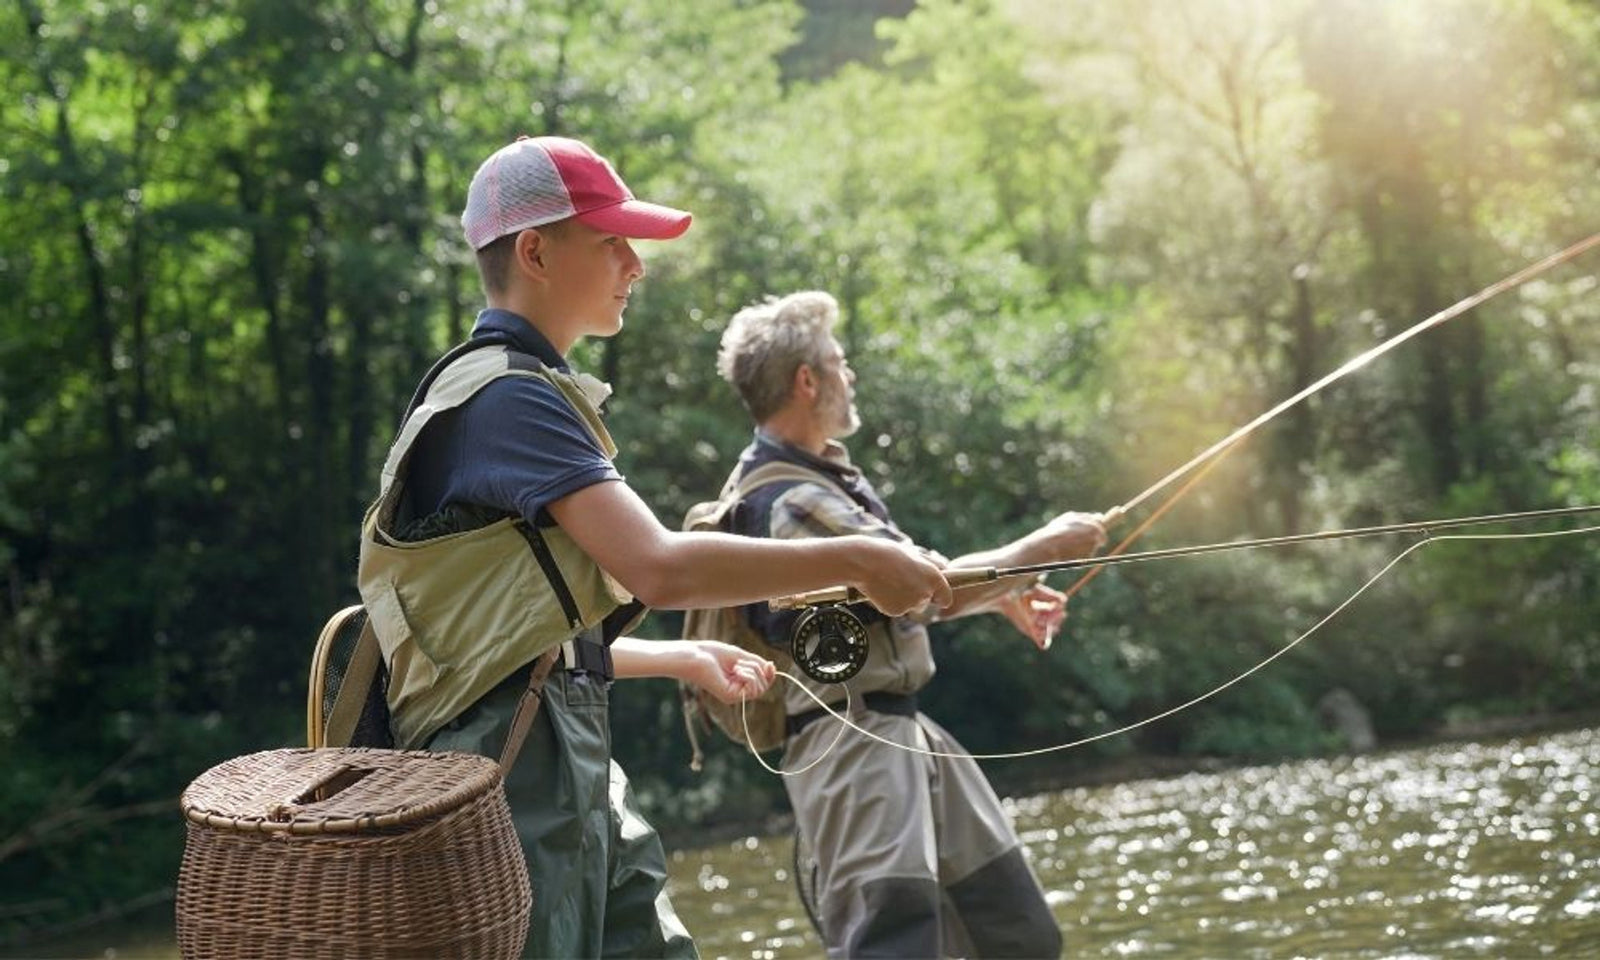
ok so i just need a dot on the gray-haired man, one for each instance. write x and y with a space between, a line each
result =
914 856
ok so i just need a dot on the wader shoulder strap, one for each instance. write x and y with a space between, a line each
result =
340 725
460 350
527 709
777 471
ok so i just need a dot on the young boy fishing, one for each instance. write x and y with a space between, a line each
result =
504 530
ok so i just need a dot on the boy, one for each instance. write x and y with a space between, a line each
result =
503 530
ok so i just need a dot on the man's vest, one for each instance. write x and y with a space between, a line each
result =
457 614
899 653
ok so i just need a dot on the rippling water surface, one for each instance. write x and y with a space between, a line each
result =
1467 850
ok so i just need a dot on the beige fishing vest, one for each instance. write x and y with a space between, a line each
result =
457 614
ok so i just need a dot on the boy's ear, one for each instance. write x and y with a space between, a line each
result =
531 249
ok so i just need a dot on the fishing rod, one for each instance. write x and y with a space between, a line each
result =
1202 463
829 642
846 723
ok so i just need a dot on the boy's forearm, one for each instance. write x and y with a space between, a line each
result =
632 657
719 570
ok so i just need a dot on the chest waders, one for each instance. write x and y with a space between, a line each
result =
456 614
459 616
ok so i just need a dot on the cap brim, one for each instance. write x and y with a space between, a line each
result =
638 220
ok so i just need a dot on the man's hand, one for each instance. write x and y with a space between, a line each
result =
894 577
727 672
1036 612
1072 535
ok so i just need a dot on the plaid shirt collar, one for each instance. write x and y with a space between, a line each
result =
835 459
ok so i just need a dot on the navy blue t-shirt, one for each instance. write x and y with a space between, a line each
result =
517 446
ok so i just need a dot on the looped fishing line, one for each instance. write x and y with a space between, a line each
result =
846 723
744 718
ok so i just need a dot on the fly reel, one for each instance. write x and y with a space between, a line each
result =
828 644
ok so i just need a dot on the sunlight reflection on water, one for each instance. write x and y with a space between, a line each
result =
1463 850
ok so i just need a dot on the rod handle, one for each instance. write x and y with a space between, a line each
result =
969 576
816 598
963 577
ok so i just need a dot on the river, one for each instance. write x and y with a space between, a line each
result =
1448 851
1457 850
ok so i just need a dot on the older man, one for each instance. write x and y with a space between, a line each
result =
913 854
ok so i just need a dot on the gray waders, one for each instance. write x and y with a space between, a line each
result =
910 856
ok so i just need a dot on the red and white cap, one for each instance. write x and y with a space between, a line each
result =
539 180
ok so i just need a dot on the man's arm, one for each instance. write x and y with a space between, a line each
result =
672 570
1066 537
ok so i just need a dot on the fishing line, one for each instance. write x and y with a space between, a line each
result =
846 723
745 719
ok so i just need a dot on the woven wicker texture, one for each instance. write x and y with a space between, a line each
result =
351 853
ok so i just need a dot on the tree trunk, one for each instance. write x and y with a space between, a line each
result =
1300 428
1436 410
319 428
101 322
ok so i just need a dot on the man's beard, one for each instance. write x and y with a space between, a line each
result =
839 414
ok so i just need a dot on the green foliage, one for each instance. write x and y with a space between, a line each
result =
1075 243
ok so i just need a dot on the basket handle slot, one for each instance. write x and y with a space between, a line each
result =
333 784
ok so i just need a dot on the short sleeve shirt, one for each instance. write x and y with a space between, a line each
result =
517 446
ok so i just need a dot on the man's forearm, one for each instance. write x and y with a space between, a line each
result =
1064 538
987 597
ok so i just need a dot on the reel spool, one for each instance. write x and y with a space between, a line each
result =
828 644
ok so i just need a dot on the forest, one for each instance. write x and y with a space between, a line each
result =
1075 243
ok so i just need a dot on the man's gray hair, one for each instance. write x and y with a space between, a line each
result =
767 342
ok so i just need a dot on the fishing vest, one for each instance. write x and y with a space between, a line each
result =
899 651
457 614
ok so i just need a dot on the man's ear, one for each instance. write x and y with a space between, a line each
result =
805 381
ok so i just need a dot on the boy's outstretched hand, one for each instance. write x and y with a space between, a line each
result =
727 672
895 577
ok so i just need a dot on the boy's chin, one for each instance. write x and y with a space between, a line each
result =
606 328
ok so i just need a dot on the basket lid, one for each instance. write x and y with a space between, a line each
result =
336 790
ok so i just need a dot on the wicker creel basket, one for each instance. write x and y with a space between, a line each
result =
351 853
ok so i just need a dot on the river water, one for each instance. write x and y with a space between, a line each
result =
1456 850
1460 850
